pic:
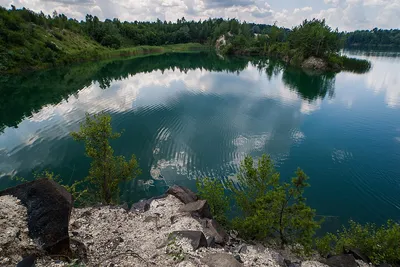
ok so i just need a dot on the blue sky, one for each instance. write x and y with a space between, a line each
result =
343 14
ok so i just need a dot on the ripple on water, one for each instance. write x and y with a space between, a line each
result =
340 156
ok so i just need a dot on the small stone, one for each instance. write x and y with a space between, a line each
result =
237 257
242 249
197 238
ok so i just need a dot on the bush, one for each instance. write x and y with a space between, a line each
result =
106 170
15 38
213 191
356 65
270 208
111 41
380 244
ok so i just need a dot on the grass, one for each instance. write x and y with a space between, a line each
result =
47 48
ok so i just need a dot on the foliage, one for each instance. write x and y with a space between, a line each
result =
35 40
380 244
77 189
337 62
213 191
373 38
314 38
106 170
270 208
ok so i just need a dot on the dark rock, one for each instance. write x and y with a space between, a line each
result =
27 261
277 257
344 260
87 213
214 229
233 234
141 206
144 205
384 265
288 263
197 238
358 255
182 193
49 208
176 217
242 249
221 260
199 208
237 257
211 242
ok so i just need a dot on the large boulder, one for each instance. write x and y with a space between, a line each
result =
358 255
221 260
49 208
197 238
344 260
199 208
182 193
314 63
217 231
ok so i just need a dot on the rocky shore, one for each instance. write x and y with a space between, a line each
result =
175 229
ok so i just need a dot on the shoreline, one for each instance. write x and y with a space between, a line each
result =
176 229
103 55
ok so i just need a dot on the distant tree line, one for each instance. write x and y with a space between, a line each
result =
16 25
31 39
376 37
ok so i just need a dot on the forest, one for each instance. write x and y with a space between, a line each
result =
30 40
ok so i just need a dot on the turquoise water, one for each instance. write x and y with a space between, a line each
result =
196 115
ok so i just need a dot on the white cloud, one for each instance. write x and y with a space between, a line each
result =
304 9
345 14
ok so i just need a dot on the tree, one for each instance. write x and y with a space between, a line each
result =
270 208
106 170
213 191
314 38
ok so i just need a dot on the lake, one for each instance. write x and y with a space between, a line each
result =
195 115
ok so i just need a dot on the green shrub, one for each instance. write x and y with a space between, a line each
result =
15 38
380 244
270 208
355 65
214 192
106 171
324 244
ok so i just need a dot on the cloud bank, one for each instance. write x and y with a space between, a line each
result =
343 14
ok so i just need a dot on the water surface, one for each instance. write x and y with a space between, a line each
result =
194 115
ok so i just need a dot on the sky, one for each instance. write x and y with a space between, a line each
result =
347 15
